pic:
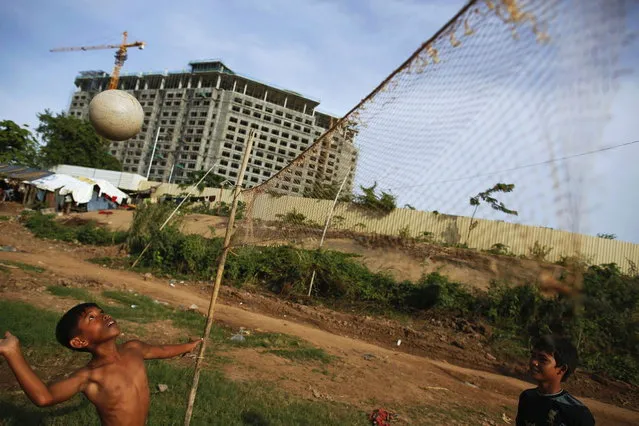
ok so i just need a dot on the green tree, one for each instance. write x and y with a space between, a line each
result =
70 140
211 181
383 203
607 236
326 191
487 197
17 144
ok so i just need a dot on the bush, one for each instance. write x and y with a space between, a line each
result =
200 208
45 226
500 249
293 217
224 209
383 203
603 324
147 220
604 321
426 237
404 233
539 252
433 291
609 322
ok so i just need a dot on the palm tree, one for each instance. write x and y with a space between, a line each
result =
487 197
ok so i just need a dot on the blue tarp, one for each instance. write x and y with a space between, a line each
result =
98 202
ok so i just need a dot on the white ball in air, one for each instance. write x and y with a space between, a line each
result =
116 115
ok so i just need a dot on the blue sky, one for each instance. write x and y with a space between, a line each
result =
333 51
337 52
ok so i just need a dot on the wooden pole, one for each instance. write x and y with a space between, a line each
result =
218 280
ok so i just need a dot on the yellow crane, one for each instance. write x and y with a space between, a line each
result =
120 55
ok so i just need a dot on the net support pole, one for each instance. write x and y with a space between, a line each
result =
218 281
329 216
155 144
174 211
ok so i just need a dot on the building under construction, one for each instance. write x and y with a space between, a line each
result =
202 118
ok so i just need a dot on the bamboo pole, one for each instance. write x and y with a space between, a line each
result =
218 281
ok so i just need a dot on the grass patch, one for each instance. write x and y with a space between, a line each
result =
219 400
7 264
269 341
148 310
5 218
37 337
85 232
79 294
18 317
304 354
137 308
286 346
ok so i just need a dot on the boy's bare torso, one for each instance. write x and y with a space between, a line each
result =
119 388
115 380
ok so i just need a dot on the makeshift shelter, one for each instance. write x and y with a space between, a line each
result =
58 191
13 178
21 173
122 180
105 195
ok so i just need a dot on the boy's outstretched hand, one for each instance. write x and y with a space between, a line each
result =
9 345
194 342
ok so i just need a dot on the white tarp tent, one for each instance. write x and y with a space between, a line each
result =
107 188
79 190
124 180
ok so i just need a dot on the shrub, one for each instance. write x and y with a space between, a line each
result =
499 249
224 209
603 321
293 217
383 203
404 233
426 237
147 220
45 226
539 252
436 291
201 208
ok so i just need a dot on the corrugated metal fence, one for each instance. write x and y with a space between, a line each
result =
520 239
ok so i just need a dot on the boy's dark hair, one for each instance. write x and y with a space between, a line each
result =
67 327
562 349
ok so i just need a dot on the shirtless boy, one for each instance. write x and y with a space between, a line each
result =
115 379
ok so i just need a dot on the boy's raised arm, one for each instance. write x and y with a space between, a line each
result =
162 351
39 393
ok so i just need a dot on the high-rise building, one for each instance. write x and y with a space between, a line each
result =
202 118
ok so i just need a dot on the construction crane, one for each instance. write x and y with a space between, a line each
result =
120 55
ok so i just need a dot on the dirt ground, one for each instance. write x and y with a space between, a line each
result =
439 360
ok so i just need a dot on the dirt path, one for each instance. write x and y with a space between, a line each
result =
406 378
